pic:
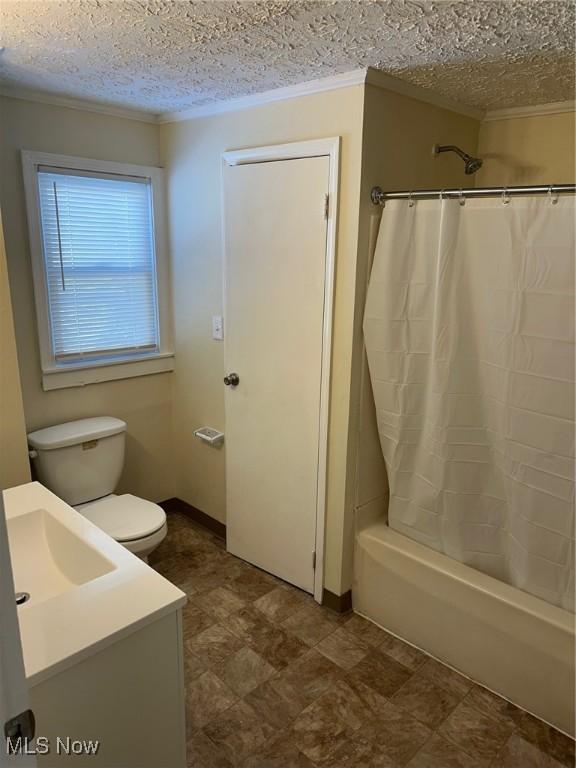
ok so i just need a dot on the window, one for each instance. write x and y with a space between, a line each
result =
99 280
98 244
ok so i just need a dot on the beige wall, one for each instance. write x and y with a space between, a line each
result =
191 153
144 402
398 137
387 139
14 466
528 150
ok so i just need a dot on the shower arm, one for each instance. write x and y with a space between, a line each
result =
451 148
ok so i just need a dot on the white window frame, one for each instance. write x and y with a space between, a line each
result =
57 375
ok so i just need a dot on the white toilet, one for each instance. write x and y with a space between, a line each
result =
81 462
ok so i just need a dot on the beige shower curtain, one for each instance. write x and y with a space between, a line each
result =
469 331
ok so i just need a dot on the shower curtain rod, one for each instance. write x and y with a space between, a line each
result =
379 197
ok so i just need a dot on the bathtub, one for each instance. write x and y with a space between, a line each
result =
509 641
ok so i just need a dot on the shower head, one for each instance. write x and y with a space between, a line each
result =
471 164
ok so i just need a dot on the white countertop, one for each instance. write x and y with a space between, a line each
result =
60 628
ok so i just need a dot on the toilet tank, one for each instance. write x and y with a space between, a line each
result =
81 460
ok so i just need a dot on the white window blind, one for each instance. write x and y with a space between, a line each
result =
99 258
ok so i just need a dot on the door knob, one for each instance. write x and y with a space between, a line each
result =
232 380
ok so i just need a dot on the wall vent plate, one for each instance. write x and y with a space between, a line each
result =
209 435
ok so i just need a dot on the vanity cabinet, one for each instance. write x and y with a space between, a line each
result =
128 697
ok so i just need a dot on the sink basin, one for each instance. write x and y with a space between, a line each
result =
48 558
86 590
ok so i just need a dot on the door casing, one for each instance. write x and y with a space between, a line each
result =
329 147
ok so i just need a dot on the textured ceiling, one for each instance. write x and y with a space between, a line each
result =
163 56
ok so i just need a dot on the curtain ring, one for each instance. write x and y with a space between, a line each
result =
553 197
461 198
505 196
441 194
410 200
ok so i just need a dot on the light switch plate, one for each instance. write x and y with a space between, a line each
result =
217 327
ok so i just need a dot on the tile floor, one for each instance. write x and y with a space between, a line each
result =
274 680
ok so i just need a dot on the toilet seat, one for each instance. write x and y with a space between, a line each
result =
126 518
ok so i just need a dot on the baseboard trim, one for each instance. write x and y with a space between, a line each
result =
338 603
177 505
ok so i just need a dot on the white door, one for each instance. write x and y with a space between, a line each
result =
275 236
14 717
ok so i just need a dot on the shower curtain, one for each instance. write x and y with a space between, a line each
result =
469 332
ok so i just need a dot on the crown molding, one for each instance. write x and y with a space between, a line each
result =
390 83
369 75
345 80
308 88
44 97
538 110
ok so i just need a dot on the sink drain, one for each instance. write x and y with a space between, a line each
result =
22 597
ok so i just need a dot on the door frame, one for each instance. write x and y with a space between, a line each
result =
329 147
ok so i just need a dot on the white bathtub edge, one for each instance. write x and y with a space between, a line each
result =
508 641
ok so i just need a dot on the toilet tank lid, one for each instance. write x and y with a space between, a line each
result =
75 432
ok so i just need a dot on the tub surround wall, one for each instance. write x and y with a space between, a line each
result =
145 403
398 136
191 154
528 150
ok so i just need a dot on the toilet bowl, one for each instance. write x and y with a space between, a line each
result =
81 461
136 523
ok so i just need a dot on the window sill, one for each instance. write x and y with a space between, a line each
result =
80 376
